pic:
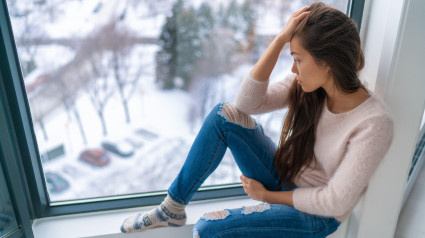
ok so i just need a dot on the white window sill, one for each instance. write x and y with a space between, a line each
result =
107 224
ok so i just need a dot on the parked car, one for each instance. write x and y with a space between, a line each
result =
135 141
96 157
145 134
53 153
121 148
72 171
55 182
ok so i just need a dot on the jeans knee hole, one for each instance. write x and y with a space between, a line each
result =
232 114
257 208
195 234
216 215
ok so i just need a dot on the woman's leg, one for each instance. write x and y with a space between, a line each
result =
263 220
226 127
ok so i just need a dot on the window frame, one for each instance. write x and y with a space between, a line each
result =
26 178
10 154
355 11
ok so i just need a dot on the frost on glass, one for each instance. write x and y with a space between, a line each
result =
119 89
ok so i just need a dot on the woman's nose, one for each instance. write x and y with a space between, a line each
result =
294 68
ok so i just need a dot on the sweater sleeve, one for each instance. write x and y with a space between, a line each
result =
255 97
366 148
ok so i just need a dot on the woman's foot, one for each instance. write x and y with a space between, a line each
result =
168 213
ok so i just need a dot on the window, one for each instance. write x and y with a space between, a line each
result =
417 161
112 93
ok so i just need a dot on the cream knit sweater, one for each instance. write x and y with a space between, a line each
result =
349 146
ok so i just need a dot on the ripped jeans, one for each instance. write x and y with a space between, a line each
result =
226 127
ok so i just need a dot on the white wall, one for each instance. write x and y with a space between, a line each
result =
393 42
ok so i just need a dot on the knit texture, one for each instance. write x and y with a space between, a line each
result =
348 148
168 213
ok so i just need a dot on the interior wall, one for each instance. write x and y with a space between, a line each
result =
393 45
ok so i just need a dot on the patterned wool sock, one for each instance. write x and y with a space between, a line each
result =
168 213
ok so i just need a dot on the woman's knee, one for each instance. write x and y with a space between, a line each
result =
201 229
210 224
232 114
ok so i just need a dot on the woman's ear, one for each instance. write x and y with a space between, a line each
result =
328 68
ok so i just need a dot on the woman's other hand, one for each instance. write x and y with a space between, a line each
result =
253 188
265 65
290 26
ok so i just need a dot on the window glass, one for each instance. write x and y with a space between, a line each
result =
119 89
423 121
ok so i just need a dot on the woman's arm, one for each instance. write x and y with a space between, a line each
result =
257 191
255 96
265 65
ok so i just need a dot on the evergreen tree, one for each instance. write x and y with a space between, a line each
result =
193 40
166 58
180 44
230 16
248 15
206 21
189 45
205 17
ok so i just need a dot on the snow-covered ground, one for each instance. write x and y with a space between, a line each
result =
156 161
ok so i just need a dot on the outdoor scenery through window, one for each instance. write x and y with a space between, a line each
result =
118 89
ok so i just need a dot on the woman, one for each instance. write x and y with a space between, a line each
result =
334 136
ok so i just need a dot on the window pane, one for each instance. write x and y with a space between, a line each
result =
119 89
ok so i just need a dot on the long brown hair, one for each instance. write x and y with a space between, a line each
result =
332 38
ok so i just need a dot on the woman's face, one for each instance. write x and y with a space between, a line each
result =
309 74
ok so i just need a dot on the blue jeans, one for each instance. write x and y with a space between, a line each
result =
253 153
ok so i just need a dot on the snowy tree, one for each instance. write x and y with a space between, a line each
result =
206 20
189 47
166 58
229 16
227 36
120 43
38 107
110 69
60 82
100 88
181 47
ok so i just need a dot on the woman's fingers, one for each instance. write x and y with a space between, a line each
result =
244 179
299 12
299 15
289 28
302 15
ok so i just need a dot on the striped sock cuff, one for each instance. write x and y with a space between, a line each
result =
173 206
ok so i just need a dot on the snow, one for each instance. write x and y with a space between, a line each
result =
52 56
156 161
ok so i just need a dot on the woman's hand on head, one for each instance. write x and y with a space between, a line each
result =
253 188
290 26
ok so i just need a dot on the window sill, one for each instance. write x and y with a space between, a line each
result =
107 224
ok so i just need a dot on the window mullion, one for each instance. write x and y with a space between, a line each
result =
18 141
355 11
